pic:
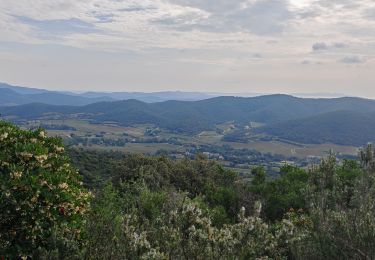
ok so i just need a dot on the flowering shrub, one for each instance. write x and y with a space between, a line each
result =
40 192
182 231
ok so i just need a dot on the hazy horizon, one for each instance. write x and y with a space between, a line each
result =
213 94
209 46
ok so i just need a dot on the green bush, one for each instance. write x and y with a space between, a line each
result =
341 204
40 192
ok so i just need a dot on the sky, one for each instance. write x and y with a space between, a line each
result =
252 46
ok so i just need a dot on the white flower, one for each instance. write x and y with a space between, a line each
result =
59 149
42 134
63 186
26 155
4 136
41 158
16 175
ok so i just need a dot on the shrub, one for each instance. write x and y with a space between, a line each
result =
40 192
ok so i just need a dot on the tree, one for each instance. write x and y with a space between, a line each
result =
341 199
40 193
285 193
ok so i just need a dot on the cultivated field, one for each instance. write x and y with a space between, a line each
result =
137 140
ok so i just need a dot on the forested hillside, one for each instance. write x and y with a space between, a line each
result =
197 116
157 208
341 127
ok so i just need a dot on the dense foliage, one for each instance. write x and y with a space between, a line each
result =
339 127
201 179
158 208
40 192
304 214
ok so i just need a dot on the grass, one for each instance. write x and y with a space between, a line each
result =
137 148
209 137
113 131
286 149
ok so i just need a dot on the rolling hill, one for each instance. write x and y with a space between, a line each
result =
19 96
304 120
339 127
22 90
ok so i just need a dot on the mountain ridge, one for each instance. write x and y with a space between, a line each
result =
340 127
194 116
23 95
9 97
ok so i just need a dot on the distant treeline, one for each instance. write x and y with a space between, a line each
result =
341 120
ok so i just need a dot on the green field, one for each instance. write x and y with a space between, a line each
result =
135 133
287 149
139 148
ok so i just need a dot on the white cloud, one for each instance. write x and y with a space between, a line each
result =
232 35
161 23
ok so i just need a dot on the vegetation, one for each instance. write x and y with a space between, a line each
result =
158 208
341 127
339 121
40 192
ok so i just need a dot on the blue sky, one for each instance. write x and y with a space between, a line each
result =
263 46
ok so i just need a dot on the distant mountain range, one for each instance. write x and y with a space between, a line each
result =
346 120
15 95
10 97
150 97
